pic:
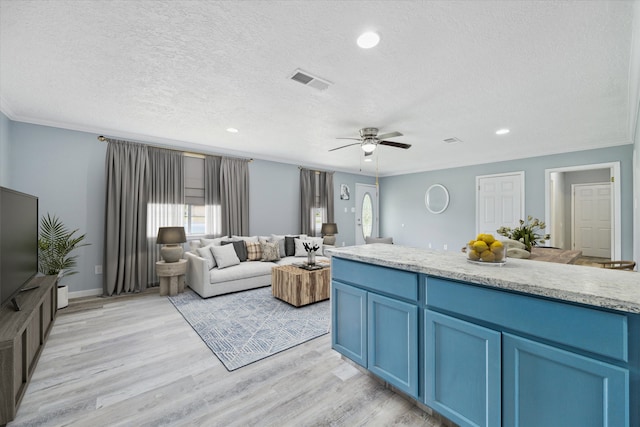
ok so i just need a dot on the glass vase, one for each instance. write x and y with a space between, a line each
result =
311 258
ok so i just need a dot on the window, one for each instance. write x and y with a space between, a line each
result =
194 218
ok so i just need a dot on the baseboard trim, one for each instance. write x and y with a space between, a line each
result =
87 293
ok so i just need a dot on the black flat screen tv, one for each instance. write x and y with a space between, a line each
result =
18 242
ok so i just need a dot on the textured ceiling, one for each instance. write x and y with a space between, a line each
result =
557 73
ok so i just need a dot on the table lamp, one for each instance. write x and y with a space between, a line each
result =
329 230
171 238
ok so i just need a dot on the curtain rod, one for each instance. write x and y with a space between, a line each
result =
315 170
105 139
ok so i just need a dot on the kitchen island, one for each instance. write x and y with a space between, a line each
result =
524 344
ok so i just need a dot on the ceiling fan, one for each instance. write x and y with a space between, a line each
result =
369 140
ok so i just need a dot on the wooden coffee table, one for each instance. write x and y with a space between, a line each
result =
300 287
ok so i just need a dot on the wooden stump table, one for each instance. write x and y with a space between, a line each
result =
300 287
171 276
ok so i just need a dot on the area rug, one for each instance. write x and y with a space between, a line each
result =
244 327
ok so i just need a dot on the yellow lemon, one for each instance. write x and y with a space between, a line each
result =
480 236
488 238
499 255
473 255
471 242
480 246
496 246
487 256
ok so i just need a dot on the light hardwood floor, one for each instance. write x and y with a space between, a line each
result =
136 362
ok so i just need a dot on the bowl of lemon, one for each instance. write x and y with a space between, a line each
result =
485 249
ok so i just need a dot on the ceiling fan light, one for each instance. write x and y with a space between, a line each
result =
368 159
368 146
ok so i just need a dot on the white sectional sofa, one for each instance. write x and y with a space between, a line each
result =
208 282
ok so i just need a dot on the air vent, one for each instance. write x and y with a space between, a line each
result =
453 140
310 80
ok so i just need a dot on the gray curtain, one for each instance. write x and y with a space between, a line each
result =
212 195
234 196
326 195
316 191
166 200
125 246
307 200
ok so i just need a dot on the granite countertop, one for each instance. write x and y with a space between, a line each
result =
612 289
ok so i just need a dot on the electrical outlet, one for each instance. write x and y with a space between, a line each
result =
429 245
342 243
445 246
98 269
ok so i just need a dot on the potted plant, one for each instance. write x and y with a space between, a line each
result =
528 232
55 245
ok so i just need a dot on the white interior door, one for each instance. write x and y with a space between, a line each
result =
367 221
592 211
499 201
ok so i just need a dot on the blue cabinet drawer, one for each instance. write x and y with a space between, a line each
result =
383 280
598 332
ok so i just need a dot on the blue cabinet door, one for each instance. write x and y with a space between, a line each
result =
349 322
393 342
546 386
462 370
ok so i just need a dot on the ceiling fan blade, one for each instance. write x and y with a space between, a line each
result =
395 144
355 139
389 135
345 146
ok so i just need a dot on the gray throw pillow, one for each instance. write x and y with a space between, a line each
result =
290 245
239 247
208 255
270 251
225 256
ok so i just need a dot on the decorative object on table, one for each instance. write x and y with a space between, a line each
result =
486 249
436 198
171 238
311 252
528 232
516 249
329 230
55 245
344 192
244 327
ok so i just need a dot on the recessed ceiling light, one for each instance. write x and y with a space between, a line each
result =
502 131
368 40
232 130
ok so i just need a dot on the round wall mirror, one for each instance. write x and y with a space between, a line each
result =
436 198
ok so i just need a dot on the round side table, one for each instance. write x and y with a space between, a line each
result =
171 276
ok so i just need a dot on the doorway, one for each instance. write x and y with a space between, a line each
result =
367 221
558 211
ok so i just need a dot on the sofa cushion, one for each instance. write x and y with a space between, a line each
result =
312 241
245 238
207 255
280 241
240 248
270 251
241 271
225 256
254 251
214 242
290 245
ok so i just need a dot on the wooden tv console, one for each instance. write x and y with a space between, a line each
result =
22 337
